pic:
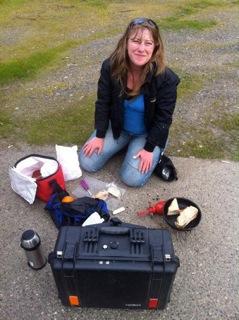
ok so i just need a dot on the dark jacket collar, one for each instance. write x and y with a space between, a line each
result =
151 73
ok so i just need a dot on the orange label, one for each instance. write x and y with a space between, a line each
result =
74 301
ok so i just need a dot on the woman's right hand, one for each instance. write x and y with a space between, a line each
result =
94 145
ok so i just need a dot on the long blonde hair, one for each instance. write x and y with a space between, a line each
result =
120 64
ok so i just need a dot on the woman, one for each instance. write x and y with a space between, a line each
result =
135 102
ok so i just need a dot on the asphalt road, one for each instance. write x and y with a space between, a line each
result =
206 284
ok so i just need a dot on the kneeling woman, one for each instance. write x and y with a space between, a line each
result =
135 102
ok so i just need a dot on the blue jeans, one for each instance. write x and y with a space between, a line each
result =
129 172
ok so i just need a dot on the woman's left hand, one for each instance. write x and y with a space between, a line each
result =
146 160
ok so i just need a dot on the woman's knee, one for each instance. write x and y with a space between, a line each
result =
87 164
132 177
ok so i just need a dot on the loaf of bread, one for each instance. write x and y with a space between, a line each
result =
173 208
186 216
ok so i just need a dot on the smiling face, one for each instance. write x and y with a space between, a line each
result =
140 47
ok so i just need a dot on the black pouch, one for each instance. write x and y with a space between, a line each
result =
165 169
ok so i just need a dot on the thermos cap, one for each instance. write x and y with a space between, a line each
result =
30 240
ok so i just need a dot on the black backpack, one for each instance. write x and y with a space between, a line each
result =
165 169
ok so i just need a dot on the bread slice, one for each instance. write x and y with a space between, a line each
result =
186 216
173 209
103 195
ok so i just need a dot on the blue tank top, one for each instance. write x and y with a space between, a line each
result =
134 115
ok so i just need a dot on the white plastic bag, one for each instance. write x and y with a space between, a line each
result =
68 159
23 185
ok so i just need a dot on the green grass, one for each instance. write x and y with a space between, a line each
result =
97 3
201 142
11 3
8 6
6 124
180 19
71 125
40 25
173 23
234 64
229 124
190 83
43 31
27 67
194 7
190 140
203 145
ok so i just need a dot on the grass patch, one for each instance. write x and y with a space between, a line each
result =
97 3
38 25
30 30
202 142
206 147
203 145
229 123
28 67
180 21
173 23
194 7
72 125
6 125
234 64
189 85
7 6
12 3
230 126
189 140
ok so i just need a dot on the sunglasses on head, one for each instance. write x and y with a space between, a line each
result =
142 21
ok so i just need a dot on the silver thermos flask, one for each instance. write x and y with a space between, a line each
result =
31 243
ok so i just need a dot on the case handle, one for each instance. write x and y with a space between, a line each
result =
114 230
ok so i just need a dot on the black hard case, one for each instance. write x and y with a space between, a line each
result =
114 265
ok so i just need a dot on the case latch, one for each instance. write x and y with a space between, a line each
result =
156 254
69 251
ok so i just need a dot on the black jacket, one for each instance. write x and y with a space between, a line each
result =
160 94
